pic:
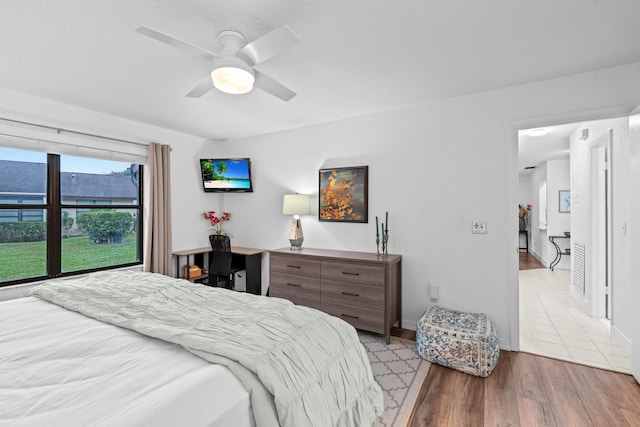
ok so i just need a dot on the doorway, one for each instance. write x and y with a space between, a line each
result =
554 320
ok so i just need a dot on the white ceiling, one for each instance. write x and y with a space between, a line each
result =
535 150
355 57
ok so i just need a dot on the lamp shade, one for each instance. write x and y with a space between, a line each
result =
295 204
231 75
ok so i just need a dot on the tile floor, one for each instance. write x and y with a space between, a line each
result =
552 325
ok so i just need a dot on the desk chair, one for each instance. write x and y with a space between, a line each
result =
220 273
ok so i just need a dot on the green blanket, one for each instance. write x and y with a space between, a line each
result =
301 366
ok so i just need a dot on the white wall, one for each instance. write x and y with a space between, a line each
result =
435 168
556 174
525 196
583 218
557 222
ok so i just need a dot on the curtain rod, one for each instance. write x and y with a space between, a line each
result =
59 130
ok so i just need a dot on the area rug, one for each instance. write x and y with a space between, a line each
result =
399 371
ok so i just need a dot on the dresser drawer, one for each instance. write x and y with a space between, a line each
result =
353 294
301 286
291 265
296 299
358 317
373 275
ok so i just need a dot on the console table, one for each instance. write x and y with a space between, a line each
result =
363 289
249 259
559 252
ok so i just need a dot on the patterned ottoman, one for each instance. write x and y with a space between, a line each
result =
464 341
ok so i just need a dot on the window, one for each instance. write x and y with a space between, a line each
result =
83 215
542 203
21 215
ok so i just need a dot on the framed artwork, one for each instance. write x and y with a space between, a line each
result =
343 194
564 201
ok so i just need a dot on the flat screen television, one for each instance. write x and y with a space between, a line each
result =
226 175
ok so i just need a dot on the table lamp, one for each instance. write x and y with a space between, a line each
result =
296 205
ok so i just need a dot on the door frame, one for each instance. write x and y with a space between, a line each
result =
602 196
513 182
634 219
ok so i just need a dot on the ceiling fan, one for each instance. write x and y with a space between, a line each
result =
233 67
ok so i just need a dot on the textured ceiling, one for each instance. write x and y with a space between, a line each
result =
355 57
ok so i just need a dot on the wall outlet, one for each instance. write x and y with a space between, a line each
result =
479 227
433 292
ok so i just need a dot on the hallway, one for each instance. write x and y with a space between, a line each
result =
552 325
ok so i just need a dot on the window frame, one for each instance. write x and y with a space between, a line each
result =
53 208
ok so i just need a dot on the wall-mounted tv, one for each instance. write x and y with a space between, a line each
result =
226 175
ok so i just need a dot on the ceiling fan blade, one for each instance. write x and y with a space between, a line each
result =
271 86
205 85
177 43
268 45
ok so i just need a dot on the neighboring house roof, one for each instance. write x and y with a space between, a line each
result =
27 177
23 177
96 186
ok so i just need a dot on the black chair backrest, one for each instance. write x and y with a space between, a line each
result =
221 262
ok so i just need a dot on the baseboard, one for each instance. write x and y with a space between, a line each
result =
504 344
580 300
621 340
540 259
410 325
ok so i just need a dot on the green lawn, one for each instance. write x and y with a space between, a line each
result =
28 259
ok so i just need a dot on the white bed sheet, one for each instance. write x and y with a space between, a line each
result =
58 367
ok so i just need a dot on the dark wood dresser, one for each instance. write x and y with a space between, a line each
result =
364 289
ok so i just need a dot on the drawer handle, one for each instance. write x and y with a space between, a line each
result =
348 273
352 317
293 266
350 294
294 284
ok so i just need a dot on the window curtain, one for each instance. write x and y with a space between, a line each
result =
157 247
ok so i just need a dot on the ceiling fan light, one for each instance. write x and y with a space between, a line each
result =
232 79
538 132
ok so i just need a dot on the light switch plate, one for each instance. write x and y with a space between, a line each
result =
479 227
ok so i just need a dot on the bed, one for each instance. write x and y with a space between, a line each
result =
135 349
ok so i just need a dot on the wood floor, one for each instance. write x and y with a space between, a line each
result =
528 390
529 262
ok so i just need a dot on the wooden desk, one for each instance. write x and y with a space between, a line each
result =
249 259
